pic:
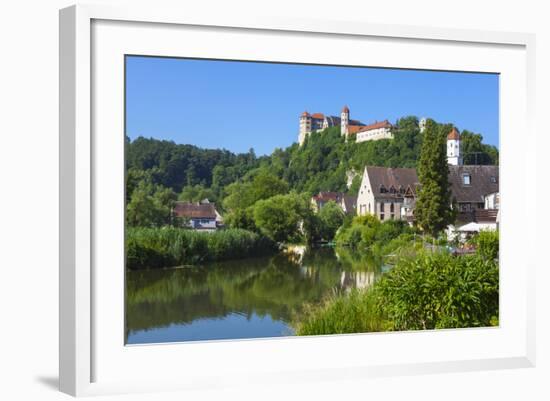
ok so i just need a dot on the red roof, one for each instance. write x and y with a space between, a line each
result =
345 109
305 114
354 129
376 125
318 115
194 210
453 135
328 196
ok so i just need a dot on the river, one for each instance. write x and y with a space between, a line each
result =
249 298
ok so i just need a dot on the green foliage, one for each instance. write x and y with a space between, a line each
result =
474 151
487 244
329 219
422 291
241 218
181 165
168 246
263 185
284 218
196 193
434 291
433 211
368 232
150 206
356 312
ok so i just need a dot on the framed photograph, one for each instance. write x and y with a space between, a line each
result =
266 199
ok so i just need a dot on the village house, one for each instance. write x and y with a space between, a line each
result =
390 193
387 193
349 128
200 215
346 202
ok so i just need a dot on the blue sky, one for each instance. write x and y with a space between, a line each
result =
239 105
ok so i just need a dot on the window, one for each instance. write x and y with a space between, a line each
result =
392 208
381 216
493 179
466 179
381 207
383 189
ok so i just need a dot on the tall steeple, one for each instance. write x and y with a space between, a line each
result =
344 121
305 127
454 156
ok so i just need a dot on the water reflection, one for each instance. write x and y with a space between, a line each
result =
239 299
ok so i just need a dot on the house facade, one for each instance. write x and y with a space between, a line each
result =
387 193
373 132
200 215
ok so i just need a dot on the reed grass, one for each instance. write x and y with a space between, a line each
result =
170 246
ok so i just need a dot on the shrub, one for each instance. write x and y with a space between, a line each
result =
487 243
433 291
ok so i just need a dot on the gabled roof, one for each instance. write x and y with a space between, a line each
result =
386 177
484 180
318 116
195 210
350 203
376 125
354 129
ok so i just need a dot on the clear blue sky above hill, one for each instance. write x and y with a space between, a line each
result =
239 105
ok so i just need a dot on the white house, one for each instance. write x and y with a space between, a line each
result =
373 132
201 215
383 191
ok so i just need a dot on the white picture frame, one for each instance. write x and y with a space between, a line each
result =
93 360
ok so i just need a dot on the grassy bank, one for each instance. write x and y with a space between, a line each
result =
169 246
422 291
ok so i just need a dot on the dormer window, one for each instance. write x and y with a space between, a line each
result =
493 179
392 190
466 179
383 189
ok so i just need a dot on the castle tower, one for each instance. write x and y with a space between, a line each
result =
422 124
454 157
344 121
305 127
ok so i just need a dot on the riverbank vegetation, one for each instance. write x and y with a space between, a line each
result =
424 290
170 246
364 233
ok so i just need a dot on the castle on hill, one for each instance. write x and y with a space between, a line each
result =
349 128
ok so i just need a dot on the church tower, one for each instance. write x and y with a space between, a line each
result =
454 156
305 127
344 121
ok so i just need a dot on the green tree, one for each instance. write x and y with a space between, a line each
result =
433 211
475 151
284 217
150 206
330 218
195 193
